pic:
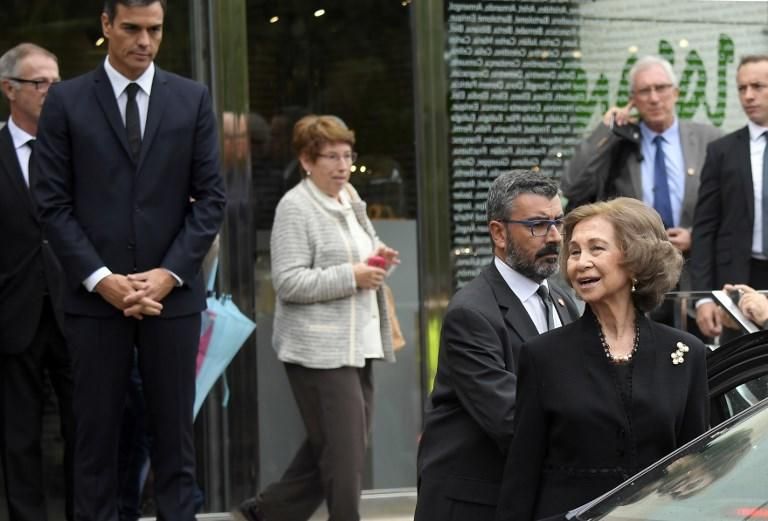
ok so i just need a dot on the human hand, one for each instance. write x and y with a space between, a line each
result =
121 293
391 255
619 116
368 277
754 305
680 238
708 319
156 283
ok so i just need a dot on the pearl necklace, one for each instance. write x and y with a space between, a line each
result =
607 349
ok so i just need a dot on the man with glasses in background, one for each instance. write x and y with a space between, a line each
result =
31 339
657 160
468 422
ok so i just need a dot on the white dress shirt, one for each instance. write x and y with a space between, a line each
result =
756 150
23 151
525 290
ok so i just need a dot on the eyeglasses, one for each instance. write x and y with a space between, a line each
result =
661 90
41 85
347 158
538 227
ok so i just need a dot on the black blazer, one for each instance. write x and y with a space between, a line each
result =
468 423
100 208
722 228
28 267
573 437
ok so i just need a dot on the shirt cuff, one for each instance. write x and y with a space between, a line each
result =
179 282
94 278
703 301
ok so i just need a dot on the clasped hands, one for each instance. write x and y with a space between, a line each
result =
137 294
372 277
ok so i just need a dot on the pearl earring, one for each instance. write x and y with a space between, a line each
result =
634 288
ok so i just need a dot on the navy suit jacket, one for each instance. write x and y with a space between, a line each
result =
102 208
28 267
721 245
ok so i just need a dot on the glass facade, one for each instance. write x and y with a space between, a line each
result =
442 95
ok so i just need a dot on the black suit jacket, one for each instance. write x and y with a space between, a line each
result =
28 267
573 438
468 424
722 228
100 208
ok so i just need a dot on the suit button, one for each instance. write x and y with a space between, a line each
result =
131 245
45 241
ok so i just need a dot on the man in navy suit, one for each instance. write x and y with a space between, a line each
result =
130 193
730 227
31 342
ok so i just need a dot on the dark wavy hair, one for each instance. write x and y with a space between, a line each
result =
652 261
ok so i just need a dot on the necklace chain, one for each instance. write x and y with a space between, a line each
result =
607 349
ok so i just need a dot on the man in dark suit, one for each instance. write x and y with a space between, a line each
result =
31 342
730 230
131 196
468 424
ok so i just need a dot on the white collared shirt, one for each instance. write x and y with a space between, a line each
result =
20 138
120 82
525 290
756 150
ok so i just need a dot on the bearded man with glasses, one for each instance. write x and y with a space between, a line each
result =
468 422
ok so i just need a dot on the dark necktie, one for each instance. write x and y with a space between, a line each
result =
132 123
661 200
765 195
31 145
549 309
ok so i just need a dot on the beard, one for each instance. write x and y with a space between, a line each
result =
536 268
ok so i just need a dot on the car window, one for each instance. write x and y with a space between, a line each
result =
722 475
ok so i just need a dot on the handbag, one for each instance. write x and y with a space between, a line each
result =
398 340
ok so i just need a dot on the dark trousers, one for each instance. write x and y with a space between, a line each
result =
103 357
336 406
22 399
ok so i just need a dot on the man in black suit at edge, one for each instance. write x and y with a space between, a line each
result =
31 342
131 197
468 423
730 227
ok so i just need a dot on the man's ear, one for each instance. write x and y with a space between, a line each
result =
8 90
106 27
498 234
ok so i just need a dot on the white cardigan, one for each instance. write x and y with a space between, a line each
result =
312 250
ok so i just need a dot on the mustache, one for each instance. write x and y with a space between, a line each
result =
549 249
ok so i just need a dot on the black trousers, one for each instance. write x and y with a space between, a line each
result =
22 399
102 357
336 406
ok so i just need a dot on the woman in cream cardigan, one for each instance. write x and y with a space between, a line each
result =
330 323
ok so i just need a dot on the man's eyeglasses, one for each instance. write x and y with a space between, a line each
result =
347 158
41 85
538 227
661 90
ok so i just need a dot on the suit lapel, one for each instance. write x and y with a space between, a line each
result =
515 314
562 304
108 103
12 169
692 152
158 100
741 153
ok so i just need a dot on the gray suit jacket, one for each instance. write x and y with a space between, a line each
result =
607 165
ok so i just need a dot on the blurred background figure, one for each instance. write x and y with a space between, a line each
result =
328 267
32 347
602 398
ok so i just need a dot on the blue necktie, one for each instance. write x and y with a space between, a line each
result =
765 196
661 201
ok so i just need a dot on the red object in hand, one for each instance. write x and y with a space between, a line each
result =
377 261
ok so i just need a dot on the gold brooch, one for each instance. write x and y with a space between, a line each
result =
678 357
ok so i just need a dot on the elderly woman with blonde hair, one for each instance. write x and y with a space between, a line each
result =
328 267
603 397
